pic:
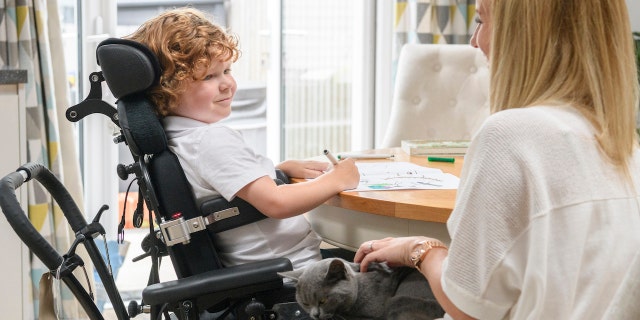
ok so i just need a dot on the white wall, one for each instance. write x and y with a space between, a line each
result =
634 13
15 296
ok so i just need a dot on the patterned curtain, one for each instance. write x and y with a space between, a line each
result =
30 39
432 21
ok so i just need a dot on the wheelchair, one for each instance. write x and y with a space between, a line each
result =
205 289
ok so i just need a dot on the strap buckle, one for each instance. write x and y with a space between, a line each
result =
179 230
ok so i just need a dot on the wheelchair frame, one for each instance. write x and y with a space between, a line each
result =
201 287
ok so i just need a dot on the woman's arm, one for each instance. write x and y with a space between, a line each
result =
431 268
288 200
397 252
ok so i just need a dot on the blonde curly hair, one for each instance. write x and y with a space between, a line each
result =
186 43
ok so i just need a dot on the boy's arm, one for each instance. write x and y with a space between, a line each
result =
284 201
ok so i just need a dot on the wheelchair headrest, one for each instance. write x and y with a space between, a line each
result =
129 69
127 66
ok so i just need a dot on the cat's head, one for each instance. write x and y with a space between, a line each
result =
326 287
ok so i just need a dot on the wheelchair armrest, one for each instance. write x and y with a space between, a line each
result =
219 280
281 177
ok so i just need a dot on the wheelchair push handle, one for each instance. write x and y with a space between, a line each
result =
59 193
63 266
18 219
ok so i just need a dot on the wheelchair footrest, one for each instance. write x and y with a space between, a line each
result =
215 281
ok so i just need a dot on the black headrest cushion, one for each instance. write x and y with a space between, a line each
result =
129 69
128 66
142 129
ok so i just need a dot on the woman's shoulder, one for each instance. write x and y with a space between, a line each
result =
524 132
537 121
539 114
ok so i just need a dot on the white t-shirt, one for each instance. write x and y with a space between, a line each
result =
544 227
216 161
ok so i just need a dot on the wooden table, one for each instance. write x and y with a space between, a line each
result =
352 217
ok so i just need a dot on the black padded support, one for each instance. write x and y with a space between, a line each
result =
128 66
199 255
281 177
140 125
173 189
222 280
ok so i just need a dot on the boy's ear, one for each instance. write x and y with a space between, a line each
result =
293 275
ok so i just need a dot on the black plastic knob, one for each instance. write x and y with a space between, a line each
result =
123 171
133 308
255 309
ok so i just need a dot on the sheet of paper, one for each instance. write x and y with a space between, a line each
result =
375 176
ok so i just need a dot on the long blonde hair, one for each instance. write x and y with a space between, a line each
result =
186 42
571 51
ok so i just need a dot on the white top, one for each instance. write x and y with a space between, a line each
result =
216 161
543 227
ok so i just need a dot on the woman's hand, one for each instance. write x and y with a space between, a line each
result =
307 169
395 251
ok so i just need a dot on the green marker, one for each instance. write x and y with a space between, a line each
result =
441 159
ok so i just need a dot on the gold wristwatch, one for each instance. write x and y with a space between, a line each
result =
421 250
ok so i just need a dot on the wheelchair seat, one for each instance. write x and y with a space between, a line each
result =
203 284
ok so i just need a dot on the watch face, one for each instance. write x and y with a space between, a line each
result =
415 256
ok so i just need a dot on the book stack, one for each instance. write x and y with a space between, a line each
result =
431 147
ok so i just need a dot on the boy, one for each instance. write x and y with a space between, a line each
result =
194 93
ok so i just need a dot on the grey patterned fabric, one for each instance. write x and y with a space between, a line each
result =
432 21
27 30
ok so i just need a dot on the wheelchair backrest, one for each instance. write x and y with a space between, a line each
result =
129 69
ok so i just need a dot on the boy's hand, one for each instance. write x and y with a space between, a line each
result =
306 169
347 173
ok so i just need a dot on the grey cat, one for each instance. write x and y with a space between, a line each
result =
335 289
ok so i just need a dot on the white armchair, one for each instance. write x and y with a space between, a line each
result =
441 93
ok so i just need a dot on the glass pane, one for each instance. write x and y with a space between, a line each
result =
132 13
68 22
318 48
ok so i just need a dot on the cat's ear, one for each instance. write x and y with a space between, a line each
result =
336 271
293 275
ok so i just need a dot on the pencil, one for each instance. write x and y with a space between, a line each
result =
330 156
365 156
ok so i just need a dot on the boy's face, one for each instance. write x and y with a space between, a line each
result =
209 100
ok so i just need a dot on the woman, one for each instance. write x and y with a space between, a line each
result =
547 212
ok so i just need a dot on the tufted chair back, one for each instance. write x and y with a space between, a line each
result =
441 93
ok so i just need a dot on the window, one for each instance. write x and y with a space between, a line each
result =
325 52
